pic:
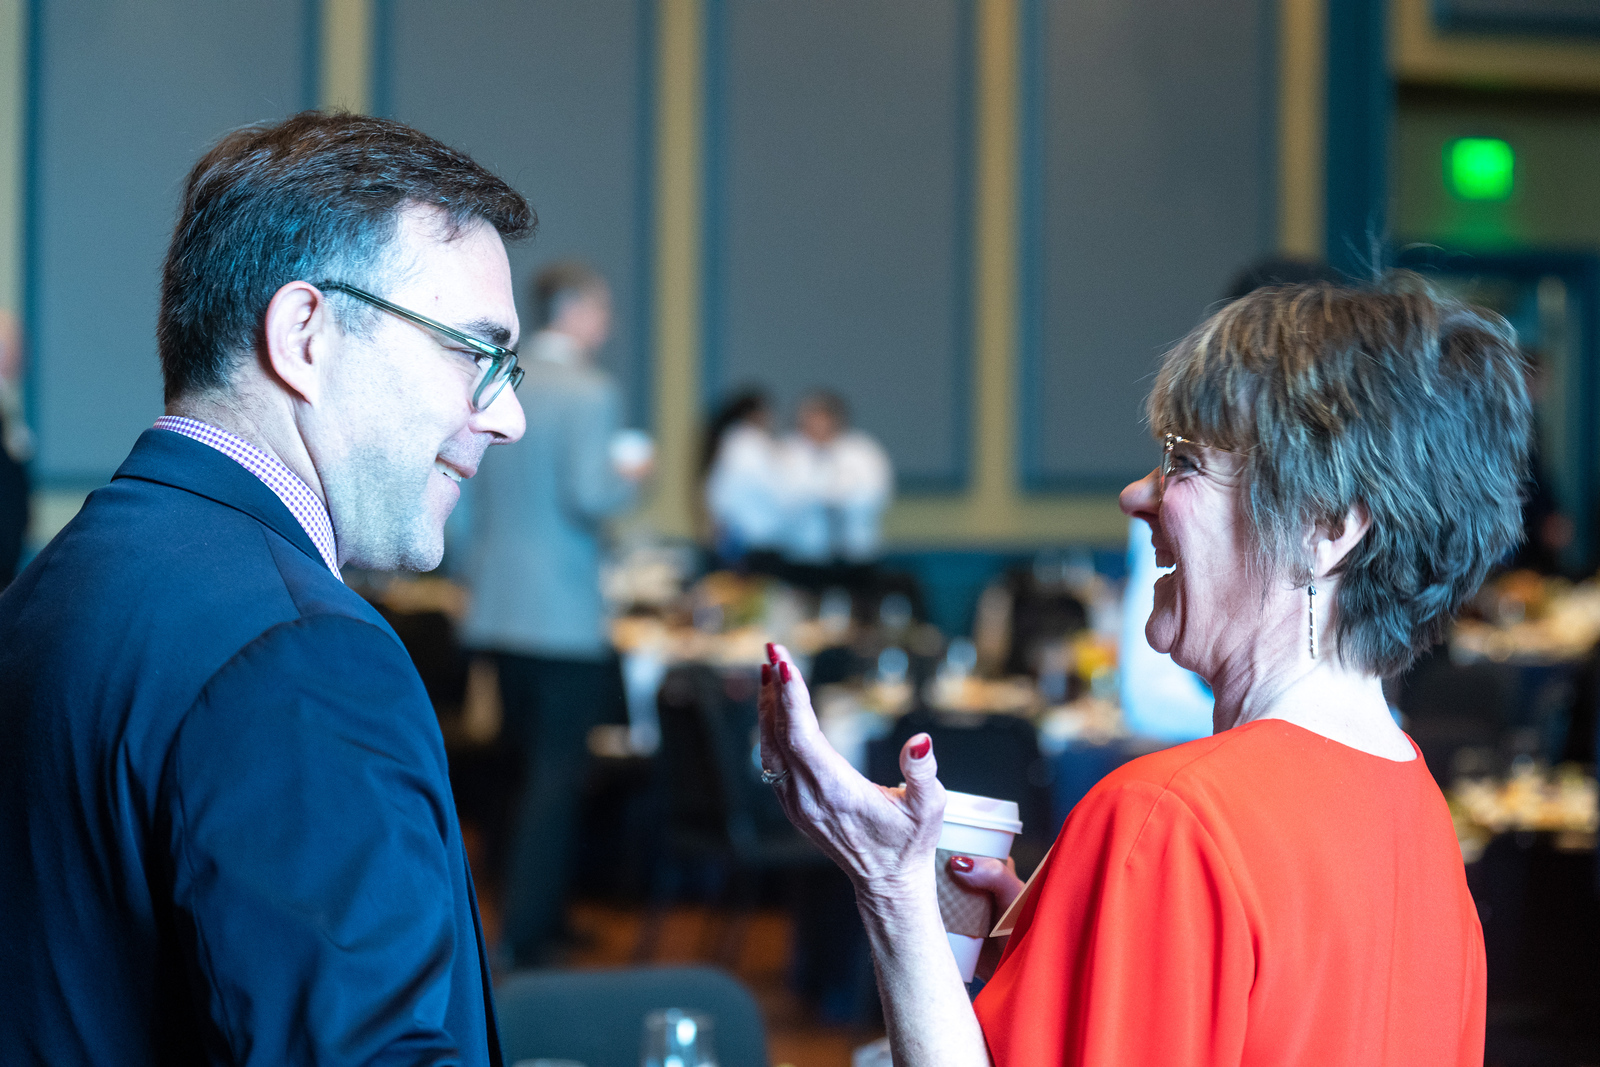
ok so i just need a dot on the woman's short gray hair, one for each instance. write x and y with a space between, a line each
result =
1400 400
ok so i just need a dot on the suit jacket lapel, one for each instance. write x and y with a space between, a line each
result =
172 459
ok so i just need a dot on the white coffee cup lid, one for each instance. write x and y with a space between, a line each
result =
986 813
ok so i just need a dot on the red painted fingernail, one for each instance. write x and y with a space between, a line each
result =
772 653
961 863
783 670
766 673
920 749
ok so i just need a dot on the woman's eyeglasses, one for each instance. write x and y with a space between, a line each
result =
1177 450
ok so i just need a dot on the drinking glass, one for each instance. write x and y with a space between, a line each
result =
678 1038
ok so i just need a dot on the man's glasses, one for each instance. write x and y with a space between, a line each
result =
502 369
1174 451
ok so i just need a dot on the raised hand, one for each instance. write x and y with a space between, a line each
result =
884 839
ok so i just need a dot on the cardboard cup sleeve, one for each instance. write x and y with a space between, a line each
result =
963 910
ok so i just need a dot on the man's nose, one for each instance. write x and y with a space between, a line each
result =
503 418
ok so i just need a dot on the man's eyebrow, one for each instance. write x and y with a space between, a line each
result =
494 332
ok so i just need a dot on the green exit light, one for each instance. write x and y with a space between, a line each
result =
1479 168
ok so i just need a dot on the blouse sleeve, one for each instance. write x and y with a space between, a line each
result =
1135 948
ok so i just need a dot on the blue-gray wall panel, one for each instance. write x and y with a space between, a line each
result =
1151 182
838 207
554 97
124 97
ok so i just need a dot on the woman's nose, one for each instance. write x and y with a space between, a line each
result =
1138 499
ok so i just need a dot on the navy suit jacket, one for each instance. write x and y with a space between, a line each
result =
226 827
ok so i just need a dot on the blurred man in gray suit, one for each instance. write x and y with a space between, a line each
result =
534 568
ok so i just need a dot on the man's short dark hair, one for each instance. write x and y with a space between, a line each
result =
313 198
558 285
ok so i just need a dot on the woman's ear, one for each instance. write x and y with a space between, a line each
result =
1331 546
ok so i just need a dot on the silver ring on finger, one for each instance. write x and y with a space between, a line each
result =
772 777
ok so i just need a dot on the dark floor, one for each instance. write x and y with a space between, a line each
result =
689 935
607 935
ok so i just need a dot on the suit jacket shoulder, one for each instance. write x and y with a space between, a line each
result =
315 851
184 680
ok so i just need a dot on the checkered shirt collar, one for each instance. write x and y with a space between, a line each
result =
302 503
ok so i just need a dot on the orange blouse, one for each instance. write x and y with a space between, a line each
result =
1265 896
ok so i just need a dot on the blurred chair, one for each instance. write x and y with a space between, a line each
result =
1540 910
1041 615
1078 768
1482 715
483 774
835 664
1020 615
718 812
430 639
597 1017
1581 735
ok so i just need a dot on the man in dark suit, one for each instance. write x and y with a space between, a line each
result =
226 829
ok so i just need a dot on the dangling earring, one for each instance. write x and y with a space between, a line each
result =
1311 619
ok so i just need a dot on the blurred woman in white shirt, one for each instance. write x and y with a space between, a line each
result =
842 482
746 497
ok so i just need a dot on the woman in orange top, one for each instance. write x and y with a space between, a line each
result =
1340 469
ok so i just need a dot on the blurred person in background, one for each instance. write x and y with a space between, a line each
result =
1341 468
746 498
533 566
227 832
16 449
841 480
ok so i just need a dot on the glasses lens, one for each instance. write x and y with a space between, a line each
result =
488 390
494 382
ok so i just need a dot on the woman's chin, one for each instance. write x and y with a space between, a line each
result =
1161 629
1161 633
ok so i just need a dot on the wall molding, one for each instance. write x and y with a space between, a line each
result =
1289 125
640 360
990 504
14 38
30 43
678 176
1423 54
58 497
1302 127
1358 117
1030 290
713 380
345 59
994 511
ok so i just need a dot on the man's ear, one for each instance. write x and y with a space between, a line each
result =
299 331
1332 545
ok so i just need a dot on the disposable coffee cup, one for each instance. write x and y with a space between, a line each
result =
631 449
973 826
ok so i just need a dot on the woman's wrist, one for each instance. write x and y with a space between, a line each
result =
901 904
